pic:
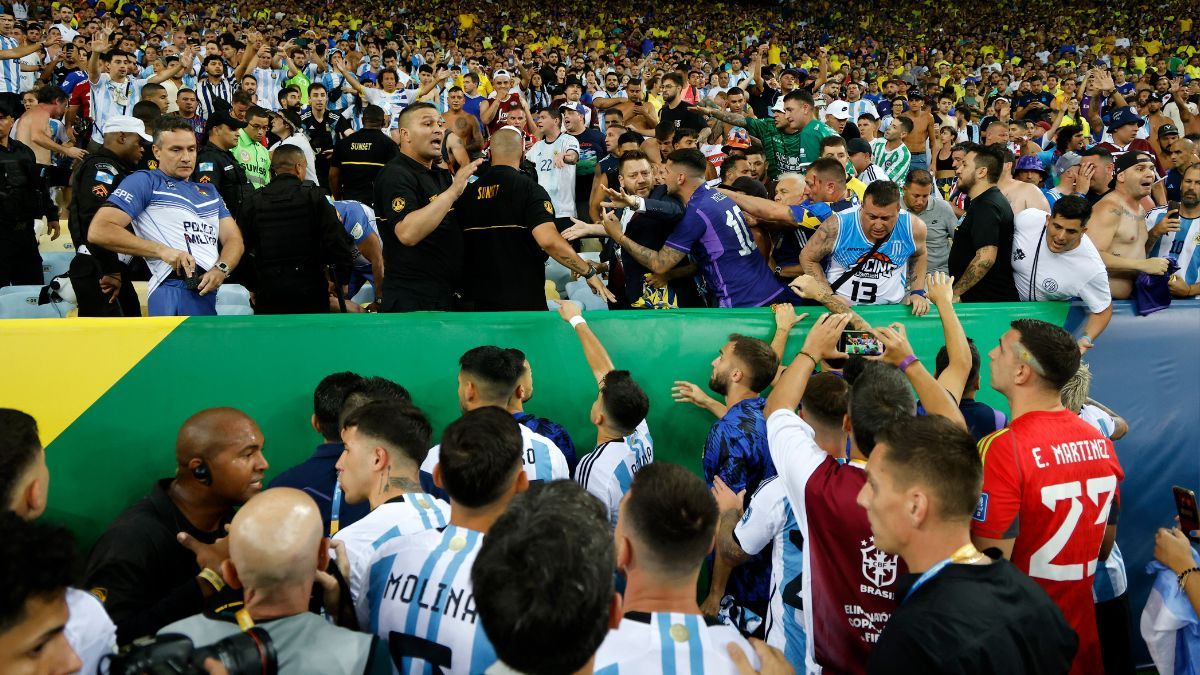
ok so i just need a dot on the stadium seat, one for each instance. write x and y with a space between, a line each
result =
580 292
233 310
55 264
365 295
25 306
143 293
28 290
61 245
557 274
233 294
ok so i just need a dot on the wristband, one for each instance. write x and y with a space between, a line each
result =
1184 575
1086 338
810 357
212 578
919 291
575 321
908 361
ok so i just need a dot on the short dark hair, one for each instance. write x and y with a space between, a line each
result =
942 362
1073 207
731 161
373 117
1053 347
317 85
933 451
905 122
671 512
673 77
38 561
882 193
168 123
243 98
496 370
988 158
1097 151
372 389
690 159
832 142
544 600
480 453
631 156
800 96
918 177
410 110
827 168
328 400
152 88
825 399
257 111
630 137
684 132
760 360
402 427
19 446
285 158
51 94
878 396
625 403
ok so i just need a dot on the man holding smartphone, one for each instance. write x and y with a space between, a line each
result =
1177 228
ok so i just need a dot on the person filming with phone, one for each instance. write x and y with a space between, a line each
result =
177 225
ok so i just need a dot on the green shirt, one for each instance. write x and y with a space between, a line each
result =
301 82
254 158
788 153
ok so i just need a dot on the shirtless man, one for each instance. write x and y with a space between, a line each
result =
1020 195
638 116
1118 225
455 101
34 130
923 131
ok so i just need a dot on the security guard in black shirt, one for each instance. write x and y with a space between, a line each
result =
293 233
508 229
100 279
215 163
422 242
359 158
24 197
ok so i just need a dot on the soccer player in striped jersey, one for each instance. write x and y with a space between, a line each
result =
547 602
770 520
385 442
664 532
488 376
623 444
176 227
419 596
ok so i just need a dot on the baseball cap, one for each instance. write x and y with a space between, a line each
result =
1123 116
367 77
573 105
778 107
1068 160
292 118
1167 130
221 118
738 138
857 145
1029 163
126 124
500 73
1044 125
1130 158
839 109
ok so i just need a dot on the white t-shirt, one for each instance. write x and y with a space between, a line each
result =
645 643
299 140
89 631
405 514
559 182
1078 273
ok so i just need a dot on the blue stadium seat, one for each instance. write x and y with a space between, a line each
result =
24 306
233 310
365 295
580 292
28 290
55 264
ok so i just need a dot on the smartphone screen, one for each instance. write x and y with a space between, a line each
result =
859 343
1185 504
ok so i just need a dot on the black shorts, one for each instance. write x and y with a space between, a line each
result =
57 175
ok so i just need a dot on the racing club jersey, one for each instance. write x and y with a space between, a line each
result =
1050 481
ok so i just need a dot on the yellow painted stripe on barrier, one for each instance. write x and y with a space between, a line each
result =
55 375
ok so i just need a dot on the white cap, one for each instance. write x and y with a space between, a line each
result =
500 73
129 125
839 109
509 127
778 107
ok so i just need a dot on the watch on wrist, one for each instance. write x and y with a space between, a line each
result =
225 269
590 273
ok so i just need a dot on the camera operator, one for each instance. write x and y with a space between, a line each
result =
159 560
276 548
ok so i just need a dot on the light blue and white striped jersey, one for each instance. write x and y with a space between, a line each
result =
670 644
883 279
110 99
338 99
1110 581
608 470
419 600
404 514
10 69
769 519
1180 245
542 459
270 81
859 107
176 213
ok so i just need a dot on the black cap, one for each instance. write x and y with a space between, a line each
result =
222 118
857 145
1130 158
748 186
1167 130
292 118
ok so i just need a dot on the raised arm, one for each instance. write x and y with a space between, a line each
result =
820 343
736 119
898 352
593 351
763 209
958 350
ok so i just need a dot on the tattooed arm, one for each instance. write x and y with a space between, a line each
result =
981 264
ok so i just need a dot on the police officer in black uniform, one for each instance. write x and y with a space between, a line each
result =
215 163
293 233
24 197
100 279
422 242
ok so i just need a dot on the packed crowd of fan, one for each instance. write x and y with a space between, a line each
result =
857 511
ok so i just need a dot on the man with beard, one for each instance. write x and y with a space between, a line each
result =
1181 233
981 255
736 452
676 110
159 560
1119 226
792 140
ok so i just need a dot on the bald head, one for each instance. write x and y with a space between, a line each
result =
207 432
506 147
275 540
